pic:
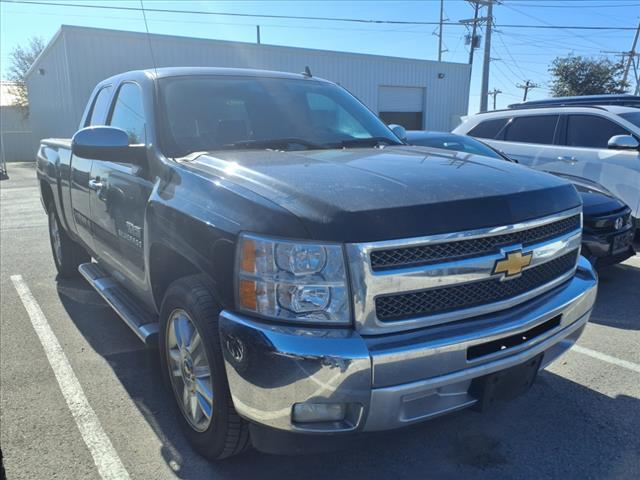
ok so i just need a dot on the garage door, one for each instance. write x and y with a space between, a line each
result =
402 105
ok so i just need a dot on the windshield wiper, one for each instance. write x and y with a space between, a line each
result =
275 143
367 142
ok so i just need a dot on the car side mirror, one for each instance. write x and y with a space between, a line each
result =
399 131
106 143
623 142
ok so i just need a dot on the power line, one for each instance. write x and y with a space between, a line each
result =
555 5
294 17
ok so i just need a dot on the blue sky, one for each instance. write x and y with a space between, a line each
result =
519 53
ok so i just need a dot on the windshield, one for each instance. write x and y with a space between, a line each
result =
457 143
633 117
212 113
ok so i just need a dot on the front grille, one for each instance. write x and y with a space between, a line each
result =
455 250
606 223
446 299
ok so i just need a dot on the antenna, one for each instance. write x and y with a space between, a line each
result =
153 58
307 72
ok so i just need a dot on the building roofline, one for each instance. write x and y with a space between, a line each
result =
65 28
47 47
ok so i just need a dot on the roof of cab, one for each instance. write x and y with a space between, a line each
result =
166 72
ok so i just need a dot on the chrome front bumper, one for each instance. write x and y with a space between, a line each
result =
392 380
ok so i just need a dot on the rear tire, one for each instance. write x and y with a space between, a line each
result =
188 317
67 254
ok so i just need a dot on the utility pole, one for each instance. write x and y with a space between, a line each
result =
495 93
258 33
484 92
632 54
440 31
528 85
472 43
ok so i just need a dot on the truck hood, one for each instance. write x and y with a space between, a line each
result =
370 194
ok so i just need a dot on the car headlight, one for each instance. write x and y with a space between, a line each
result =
295 281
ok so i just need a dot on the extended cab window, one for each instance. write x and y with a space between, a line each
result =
98 115
591 131
128 113
488 128
532 129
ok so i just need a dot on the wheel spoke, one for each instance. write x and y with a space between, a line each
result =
205 406
194 343
193 407
175 359
203 387
186 395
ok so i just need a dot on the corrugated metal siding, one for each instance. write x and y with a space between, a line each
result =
17 142
51 99
94 54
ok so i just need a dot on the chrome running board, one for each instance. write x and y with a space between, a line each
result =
143 324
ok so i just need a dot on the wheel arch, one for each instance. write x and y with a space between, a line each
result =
166 266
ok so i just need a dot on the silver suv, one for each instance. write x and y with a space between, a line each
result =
600 143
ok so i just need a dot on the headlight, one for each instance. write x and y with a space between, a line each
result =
292 281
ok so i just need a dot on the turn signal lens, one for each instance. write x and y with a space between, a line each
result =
248 294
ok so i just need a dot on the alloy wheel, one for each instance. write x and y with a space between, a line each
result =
189 370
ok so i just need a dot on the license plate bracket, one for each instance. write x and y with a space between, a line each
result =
505 384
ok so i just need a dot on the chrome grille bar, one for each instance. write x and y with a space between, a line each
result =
369 284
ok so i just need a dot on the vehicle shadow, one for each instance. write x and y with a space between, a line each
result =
558 429
618 303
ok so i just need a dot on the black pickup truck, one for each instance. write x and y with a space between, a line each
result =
304 273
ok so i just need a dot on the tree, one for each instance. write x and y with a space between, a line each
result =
20 60
576 75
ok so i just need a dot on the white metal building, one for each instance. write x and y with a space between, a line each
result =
415 93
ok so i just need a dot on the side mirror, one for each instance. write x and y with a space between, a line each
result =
106 143
399 131
623 142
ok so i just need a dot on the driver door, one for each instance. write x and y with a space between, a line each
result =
120 196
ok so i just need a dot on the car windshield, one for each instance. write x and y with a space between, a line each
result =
457 143
633 117
207 113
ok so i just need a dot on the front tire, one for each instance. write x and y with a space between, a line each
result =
67 254
192 363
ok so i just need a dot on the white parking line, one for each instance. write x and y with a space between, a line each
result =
104 455
634 367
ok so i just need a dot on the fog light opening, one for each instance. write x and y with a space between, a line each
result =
319 412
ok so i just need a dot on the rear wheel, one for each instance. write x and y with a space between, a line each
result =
67 254
192 363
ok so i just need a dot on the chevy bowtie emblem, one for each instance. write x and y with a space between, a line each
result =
512 264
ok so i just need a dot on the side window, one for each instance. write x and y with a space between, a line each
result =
128 113
591 131
100 107
532 129
327 114
488 128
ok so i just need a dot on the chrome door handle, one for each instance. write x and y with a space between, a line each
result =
95 184
567 158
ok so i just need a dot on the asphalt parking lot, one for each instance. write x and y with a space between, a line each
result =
580 420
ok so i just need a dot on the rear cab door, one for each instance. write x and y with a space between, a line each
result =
118 205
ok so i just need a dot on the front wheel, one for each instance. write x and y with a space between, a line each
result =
67 254
192 363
